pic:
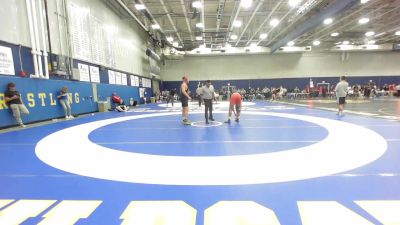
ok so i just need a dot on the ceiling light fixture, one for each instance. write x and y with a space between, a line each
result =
397 33
246 3
199 25
234 37
140 6
369 33
328 21
199 38
237 23
170 39
274 22
371 42
263 36
294 3
364 1
335 34
316 43
345 42
155 26
197 4
290 43
363 20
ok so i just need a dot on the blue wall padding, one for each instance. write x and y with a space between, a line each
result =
82 97
125 92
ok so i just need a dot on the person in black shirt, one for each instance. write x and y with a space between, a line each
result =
185 98
171 96
14 101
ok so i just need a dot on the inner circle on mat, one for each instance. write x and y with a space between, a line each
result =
204 124
348 146
165 135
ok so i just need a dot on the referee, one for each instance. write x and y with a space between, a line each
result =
207 93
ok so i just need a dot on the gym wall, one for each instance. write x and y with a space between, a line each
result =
283 66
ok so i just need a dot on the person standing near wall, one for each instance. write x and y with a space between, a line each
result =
171 97
14 101
207 93
63 98
185 97
341 93
198 92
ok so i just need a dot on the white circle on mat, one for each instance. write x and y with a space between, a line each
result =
347 146
203 124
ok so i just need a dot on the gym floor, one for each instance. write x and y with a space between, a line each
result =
288 163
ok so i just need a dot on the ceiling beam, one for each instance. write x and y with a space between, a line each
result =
122 4
250 20
186 19
202 20
233 18
220 11
338 21
265 21
170 20
295 18
352 21
283 30
339 6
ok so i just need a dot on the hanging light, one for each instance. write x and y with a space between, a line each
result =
328 21
237 23
140 6
246 3
197 4
274 22
263 36
363 20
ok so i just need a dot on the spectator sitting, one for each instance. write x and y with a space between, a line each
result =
398 90
120 106
132 102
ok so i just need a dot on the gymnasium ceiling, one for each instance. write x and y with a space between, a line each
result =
302 23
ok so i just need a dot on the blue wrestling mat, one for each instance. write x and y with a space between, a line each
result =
280 164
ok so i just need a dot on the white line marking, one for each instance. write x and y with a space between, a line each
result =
198 142
340 151
182 128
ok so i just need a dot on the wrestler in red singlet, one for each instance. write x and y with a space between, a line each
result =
236 99
235 102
